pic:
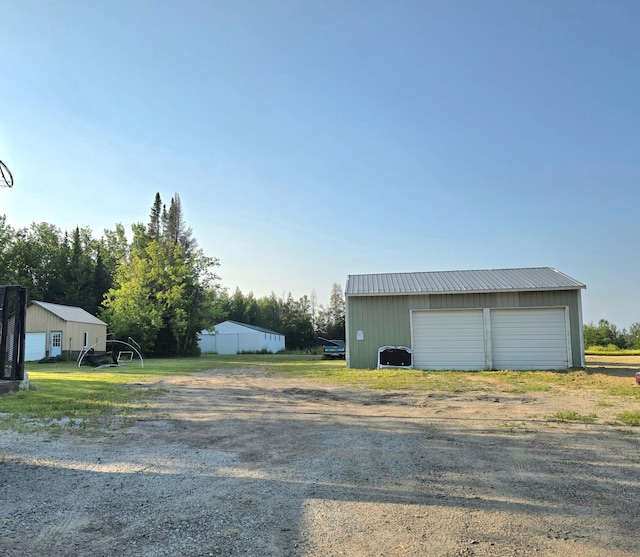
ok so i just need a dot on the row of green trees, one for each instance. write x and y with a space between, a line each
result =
606 334
56 267
301 321
159 288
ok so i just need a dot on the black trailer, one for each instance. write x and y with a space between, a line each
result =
13 316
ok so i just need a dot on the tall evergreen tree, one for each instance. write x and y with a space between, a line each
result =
331 322
235 307
101 282
270 311
165 292
79 291
175 229
155 219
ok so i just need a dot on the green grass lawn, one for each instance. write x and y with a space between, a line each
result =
605 351
64 395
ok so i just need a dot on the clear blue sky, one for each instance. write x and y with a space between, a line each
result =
312 140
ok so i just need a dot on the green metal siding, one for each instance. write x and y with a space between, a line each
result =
386 320
463 301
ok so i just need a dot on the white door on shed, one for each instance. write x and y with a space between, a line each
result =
228 343
35 346
55 346
448 339
529 338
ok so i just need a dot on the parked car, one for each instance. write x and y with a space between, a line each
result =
332 348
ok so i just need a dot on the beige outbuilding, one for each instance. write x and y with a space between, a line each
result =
54 330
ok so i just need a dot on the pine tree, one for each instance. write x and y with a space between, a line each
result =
176 230
165 293
331 322
155 219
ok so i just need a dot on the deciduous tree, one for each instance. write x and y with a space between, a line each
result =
165 291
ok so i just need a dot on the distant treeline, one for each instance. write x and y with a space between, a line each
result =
158 288
301 321
606 334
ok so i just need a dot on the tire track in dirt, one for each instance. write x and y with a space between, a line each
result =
241 464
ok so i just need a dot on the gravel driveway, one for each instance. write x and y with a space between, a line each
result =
248 464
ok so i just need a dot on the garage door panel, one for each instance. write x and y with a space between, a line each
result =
227 343
520 338
529 338
35 346
448 339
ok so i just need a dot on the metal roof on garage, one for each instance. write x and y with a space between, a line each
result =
456 282
247 326
69 313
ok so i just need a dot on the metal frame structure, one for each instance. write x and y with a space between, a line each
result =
6 178
13 317
119 361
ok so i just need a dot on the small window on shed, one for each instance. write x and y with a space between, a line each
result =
85 341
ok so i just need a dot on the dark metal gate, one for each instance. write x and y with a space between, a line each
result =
13 314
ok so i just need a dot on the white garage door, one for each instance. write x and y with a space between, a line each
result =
207 343
228 343
451 339
34 346
529 339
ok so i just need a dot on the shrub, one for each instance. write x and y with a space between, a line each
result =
572 416
630 417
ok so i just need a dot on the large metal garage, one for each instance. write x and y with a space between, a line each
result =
467 320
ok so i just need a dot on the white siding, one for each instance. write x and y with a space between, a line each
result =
529 338
228 343
448 339
247 341
207 343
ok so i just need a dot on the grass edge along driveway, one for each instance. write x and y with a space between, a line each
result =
65 397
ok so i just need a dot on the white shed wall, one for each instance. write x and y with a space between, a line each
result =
234 342
207 343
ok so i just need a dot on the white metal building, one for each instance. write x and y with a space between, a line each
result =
231 337
467 320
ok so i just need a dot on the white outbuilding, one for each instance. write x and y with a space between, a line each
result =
231 337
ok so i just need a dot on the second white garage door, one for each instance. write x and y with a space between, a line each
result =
529 338
448 339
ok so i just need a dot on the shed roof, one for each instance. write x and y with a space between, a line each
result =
254 327
457 282
69 313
